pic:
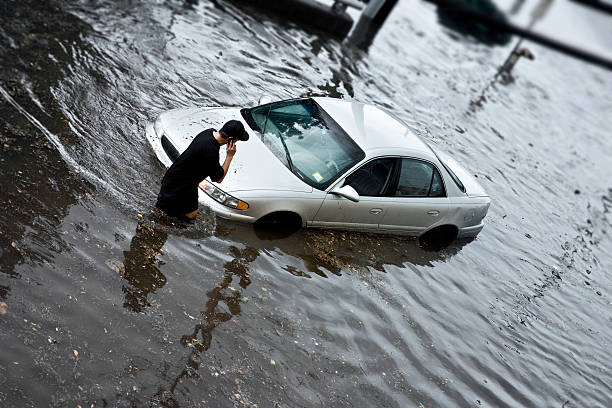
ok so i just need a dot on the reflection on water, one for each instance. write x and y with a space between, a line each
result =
334 251
321 252
37 189
141 266
456 21
227 295
348 319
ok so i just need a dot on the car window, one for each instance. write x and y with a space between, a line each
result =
418 179
437 187
373 178
306 140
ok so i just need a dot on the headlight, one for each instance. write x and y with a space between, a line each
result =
157 126
222 197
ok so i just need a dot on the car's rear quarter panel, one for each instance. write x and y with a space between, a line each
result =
467 211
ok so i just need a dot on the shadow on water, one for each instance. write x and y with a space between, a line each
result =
449 16
37 186
322 253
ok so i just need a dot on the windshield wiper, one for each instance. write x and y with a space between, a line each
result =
263 132
287 155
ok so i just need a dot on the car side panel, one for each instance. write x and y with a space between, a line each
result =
341 213
414 215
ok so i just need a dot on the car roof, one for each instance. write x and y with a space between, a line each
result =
372 128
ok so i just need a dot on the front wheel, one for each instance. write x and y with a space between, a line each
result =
278 225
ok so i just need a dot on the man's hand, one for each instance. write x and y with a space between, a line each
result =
230 152
231 148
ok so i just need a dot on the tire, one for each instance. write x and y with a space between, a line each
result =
278 225
438 238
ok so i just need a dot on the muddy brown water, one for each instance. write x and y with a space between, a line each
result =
105 303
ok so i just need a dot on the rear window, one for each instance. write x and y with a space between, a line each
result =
419 179
450 172
453 176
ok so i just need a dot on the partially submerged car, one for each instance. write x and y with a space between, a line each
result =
330 163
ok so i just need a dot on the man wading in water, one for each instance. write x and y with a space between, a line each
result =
178 196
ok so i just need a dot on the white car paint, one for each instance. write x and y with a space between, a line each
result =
259 178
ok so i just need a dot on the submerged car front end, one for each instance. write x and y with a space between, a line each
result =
257 183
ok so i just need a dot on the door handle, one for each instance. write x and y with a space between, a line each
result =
433 213
376 211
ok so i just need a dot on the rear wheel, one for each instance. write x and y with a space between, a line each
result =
438 238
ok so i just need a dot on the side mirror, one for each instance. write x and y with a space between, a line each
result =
264 99
347 192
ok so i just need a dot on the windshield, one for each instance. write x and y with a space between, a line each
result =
306 139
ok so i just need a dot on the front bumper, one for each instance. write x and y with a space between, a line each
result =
223 211
155 142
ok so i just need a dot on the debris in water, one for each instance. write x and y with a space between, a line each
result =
116 265
3 308
497 133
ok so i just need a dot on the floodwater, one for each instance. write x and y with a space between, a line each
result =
104 303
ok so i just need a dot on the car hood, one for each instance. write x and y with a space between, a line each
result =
254 166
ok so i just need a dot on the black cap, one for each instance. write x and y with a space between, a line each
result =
234 129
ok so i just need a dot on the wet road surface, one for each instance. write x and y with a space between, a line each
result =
105 303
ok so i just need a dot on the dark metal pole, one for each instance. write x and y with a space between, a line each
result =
371 20
454 7
597 4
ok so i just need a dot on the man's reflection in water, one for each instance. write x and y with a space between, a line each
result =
200 339
141 266
201 336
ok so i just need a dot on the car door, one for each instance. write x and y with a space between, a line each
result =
418 198
372 180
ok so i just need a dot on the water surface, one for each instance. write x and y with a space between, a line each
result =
105 303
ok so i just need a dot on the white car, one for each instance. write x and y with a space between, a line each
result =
330 163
